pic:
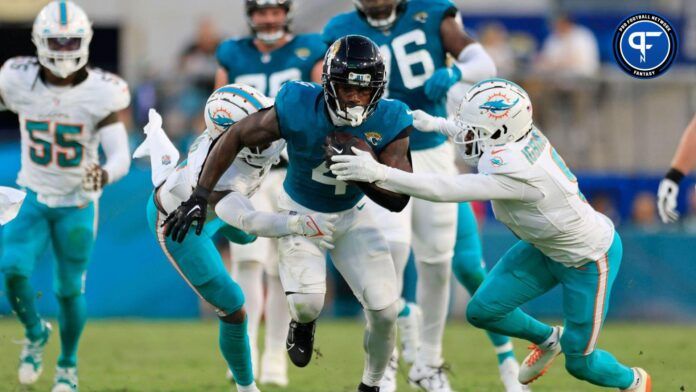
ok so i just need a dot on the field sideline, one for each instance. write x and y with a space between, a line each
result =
183 356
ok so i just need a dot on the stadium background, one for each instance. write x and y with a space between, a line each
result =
617 134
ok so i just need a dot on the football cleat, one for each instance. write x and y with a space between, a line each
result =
644 382
429 378
540 359
509 372
274 368
409 332
388 383
300 342
31 358
366 388
65 380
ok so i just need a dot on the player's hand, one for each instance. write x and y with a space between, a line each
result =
440 82
360 167
320 226
667 200
193 210
94 178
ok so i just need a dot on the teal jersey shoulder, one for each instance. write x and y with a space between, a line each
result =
304 124
267 72
412 51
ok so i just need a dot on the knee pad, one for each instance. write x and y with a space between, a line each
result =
383 319
305 308
577 365
478 315
223 293
70 284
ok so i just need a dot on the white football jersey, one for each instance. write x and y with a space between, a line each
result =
58 127
244 176
562 224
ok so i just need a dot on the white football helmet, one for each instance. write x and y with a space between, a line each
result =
494 112
62 33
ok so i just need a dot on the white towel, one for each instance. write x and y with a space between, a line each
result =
163 155
10 201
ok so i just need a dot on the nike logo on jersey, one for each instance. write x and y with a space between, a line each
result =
493 152
360 207
338 150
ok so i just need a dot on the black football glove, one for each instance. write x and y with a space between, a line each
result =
194 209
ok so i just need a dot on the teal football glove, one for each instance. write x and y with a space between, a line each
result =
437 86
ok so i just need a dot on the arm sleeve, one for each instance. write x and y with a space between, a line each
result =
114 142
475 63
463 187
236 210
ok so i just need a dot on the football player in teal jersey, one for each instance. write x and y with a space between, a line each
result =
266 59
416 37
349 101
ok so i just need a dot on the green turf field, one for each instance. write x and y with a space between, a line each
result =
183 356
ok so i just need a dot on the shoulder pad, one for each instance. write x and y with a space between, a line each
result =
116 94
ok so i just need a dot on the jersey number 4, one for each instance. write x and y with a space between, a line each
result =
319 175
63 147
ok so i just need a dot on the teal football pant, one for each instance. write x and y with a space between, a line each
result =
468 267
198 261
72 231
525 273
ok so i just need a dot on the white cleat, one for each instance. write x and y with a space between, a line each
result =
274 368
644 382
65 380
31 358
409 332
509 371
249 388
388 383
429 378
540 359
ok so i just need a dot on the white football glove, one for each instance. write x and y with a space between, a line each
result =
94 178
360 167
319 226
424 122
667 200
10 202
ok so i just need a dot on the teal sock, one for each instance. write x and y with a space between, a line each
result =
71 319
22 299
405 311
600 368
504 353
234 344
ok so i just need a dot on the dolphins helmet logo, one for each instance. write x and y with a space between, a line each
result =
498 105
221 118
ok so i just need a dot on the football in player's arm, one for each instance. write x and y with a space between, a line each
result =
683 162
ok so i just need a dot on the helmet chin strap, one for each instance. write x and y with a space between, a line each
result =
383 24
350 117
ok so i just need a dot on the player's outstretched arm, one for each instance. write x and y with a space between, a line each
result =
431 186
236 210
396 154
683 162
256 130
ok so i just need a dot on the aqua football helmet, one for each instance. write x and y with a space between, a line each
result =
62 33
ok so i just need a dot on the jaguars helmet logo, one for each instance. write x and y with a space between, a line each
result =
421 17
373 138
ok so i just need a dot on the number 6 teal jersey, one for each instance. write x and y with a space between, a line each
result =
266 72
412 51
304 124
59 127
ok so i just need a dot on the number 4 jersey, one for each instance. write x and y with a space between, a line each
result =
58 127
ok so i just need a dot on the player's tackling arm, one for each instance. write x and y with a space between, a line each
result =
396 154
683 162
685 158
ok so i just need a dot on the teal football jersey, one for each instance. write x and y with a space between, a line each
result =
412 51
304 124
267 72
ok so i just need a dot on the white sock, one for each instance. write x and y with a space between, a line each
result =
379 342
249 276
247 388
277 315
433 297
636 379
